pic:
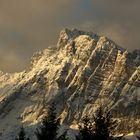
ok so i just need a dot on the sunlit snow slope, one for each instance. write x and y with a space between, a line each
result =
83 71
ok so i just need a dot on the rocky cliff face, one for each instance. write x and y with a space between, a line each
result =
83 71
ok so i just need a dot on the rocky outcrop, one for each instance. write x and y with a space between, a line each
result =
84 71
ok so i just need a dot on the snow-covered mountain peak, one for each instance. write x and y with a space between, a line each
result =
82 71
67 35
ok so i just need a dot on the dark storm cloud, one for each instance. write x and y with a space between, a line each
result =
30 25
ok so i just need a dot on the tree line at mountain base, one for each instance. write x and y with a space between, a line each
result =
100 127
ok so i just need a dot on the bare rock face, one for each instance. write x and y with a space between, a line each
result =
84 71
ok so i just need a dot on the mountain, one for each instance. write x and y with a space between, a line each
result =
83 71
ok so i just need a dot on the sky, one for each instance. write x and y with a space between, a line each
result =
27 26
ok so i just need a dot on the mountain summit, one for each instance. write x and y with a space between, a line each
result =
83 71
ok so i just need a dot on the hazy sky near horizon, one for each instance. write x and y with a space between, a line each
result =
30 25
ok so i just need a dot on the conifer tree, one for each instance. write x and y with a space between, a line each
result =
86 129
49 125
22 135
104 124
99 129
